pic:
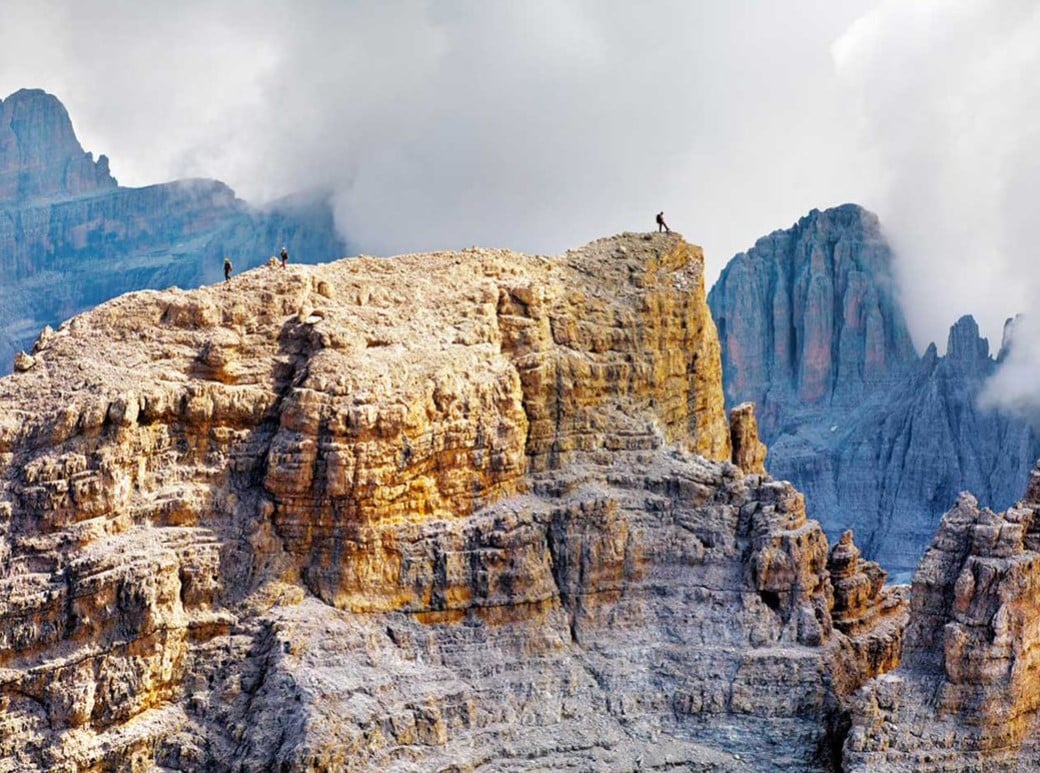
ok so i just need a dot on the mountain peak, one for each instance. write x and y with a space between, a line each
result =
846 212
808 315
965 344
39 153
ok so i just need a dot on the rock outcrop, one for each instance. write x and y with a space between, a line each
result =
456 511
881 441
966 696
749 452
70 238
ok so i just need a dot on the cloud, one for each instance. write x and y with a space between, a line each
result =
533 124
1014 386
946 96
541 124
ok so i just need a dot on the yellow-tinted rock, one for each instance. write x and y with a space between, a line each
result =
749 453
382 513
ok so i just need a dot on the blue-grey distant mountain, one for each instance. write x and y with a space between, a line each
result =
879 439
71 238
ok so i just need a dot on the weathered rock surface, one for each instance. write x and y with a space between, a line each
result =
457 511
881 441
71 239
967 694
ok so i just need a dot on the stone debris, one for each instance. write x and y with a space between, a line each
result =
23 362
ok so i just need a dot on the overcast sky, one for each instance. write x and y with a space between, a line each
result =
542 124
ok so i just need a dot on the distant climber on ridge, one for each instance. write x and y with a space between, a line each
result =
227 269
661 225
284 256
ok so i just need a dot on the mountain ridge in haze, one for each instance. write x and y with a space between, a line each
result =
71 237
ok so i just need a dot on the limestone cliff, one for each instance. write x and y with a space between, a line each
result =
70 238
881 441
455 511
966 696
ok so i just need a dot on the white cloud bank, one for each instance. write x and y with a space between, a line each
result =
947 98
533 124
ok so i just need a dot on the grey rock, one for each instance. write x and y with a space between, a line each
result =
40 156
965 696
880 440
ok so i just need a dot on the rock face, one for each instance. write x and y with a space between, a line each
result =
808 317
880 440
452 511
40 156
71 239
966 696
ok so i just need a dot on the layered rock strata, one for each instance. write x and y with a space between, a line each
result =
466 511
966 696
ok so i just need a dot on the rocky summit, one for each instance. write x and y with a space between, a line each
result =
457 511
880 440
71 238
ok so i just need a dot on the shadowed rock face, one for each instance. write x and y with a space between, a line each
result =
71 239
458 510
808 318
880 440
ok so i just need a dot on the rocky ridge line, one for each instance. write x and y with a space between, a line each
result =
70 238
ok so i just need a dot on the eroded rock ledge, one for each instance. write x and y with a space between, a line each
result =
448 511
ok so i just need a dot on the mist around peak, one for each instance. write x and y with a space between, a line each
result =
1016 384
947 101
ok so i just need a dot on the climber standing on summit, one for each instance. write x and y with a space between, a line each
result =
661 225
227 269
284 256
